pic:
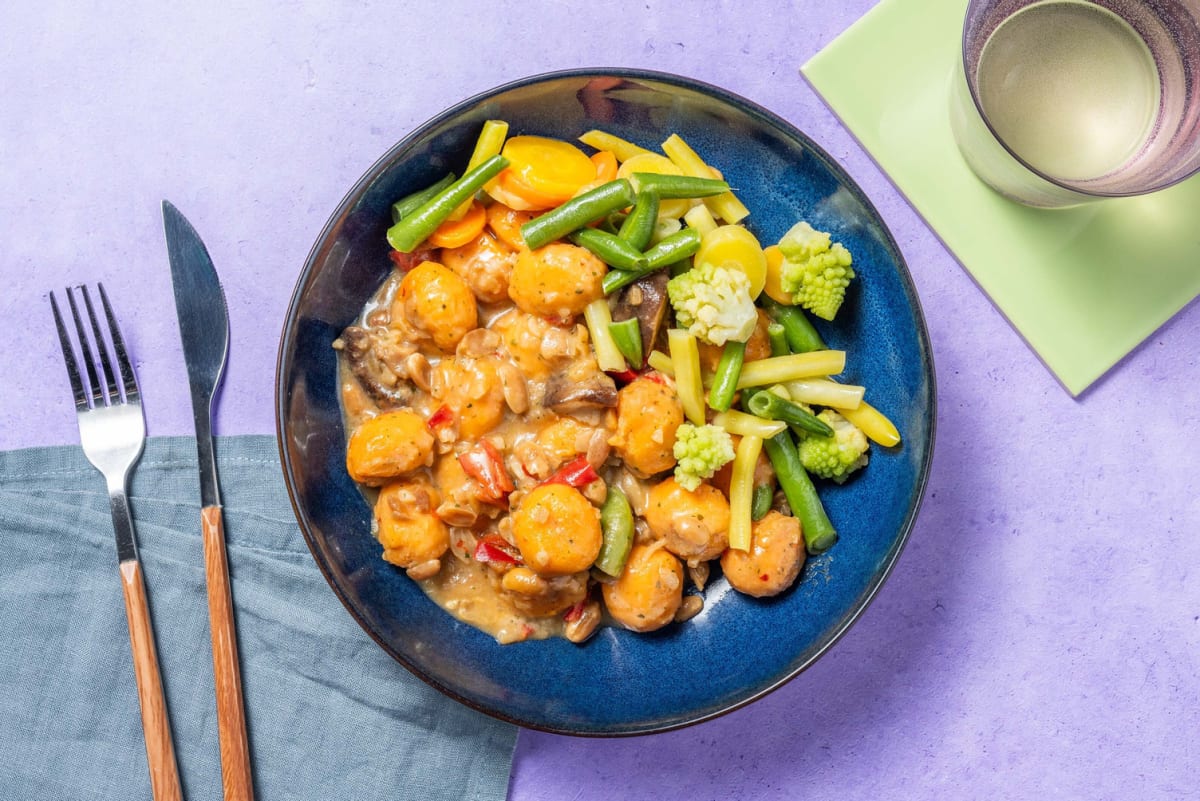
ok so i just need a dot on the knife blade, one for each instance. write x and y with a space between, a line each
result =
204 329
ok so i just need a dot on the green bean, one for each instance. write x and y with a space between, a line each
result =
612 222
819 533
414 229
678 186
729 368
778 339
772 407
577 212
616 526
619 279
747 394
410 203
760 502
676 247
639 226
799 432
801 336
628 336
610 249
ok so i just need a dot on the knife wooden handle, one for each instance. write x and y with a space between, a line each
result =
231 715
156 726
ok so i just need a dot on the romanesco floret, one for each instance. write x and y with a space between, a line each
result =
713 303
815 271
836 456
700 451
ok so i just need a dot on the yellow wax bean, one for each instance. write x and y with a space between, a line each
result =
724 205
825 392
619 147
741 492
490 141
748 425
782 369
661 362
685 358
873 423
598 316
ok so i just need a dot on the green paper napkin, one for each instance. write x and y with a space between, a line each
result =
330 715
1083 286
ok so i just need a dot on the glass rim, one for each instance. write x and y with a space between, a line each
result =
973 91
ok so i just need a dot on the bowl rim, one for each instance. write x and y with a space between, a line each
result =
759 113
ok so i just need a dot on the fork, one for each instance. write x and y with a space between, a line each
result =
112 429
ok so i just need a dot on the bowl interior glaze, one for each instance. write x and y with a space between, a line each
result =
738 648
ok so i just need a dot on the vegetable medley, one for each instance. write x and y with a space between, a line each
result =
587 380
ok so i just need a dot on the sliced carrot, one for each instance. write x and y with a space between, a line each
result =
456 233
501 195
506 224
551 168
606 165
606 170
514 184
774 286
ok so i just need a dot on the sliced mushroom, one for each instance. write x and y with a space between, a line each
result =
646 300
583 625
380 381
565 396
689 608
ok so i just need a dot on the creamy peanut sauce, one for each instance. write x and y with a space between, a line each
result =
460 405
464 589
510 362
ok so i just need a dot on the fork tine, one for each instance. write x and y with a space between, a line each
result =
96 396
81 401
128 377
109 377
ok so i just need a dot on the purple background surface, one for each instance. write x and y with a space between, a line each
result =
1039 637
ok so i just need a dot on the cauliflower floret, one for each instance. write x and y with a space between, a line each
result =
713 303
815 272
700 451
836 456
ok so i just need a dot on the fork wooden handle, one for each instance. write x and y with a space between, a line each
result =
160 750
231 715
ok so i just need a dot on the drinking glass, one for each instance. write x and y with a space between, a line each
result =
1059 102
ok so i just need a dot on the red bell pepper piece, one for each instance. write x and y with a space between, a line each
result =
577 473
655 376
493 548
484 464
406 261
576 611
443 416
623 377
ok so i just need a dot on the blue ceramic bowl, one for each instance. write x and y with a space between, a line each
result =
739 648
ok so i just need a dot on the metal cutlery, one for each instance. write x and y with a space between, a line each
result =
204 328
112 430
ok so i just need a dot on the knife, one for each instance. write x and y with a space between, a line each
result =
204 328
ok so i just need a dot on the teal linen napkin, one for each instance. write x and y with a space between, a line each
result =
330 715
